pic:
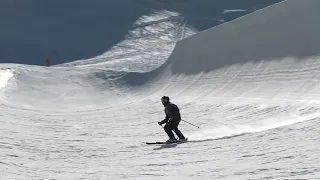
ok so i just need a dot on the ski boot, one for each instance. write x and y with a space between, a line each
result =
171 141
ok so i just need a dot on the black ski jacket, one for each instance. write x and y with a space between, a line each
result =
172 114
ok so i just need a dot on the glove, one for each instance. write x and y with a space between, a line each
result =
159 123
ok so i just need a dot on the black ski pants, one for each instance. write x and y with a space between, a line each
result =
173 126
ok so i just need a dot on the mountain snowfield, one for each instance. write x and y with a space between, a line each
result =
252 85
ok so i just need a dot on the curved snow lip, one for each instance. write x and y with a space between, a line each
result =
5 75
233 10
144 48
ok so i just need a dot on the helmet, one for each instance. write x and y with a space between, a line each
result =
165 98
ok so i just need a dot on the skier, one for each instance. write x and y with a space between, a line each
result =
172 120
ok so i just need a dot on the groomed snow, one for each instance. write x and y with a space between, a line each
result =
258 108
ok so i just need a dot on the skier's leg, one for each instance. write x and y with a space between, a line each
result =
168 130
178 132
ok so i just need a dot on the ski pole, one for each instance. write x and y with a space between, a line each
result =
161 125
190 123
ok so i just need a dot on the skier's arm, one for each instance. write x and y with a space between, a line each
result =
164 121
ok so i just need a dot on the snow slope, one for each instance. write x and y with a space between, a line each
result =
250 84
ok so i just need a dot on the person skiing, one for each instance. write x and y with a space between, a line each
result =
172 120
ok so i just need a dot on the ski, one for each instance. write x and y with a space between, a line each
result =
157 143
177 142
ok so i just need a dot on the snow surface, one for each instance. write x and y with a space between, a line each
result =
4 77
258 108
233 10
